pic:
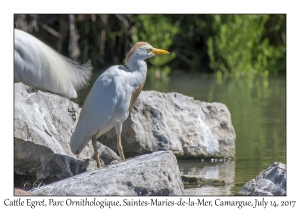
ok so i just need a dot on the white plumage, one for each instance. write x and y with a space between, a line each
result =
111 98
37 65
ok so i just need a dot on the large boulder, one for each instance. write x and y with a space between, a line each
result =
43 125
172 121
152 174
271 181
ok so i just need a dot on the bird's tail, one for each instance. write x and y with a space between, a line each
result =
81 73
78 141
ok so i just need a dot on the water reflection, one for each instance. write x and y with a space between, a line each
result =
222 170
258 112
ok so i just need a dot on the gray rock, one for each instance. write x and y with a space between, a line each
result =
172 121
271 181
152 174
43 125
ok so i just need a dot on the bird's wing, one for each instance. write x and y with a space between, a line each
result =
105 106
38 65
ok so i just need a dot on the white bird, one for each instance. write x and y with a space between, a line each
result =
111 98
37 65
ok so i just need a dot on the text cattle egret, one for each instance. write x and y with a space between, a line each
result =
37 65
111 98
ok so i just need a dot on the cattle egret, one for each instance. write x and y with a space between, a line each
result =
37 65
111 98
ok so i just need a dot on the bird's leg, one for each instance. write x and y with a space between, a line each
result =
94 142
120 148
119 145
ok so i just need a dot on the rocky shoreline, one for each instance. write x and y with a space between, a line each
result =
161 128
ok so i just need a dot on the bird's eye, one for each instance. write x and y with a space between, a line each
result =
149 50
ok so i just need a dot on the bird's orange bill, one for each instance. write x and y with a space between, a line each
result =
159 51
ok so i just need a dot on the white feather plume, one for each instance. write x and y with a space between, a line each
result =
38 65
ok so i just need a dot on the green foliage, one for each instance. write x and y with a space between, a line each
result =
158 30
239 46
221 44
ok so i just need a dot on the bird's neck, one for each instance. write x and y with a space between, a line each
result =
138 69
137 77
138 66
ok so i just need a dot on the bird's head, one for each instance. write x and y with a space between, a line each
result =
142 51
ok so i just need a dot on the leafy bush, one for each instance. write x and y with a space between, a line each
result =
241 46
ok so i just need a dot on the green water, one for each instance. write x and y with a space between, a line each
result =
258 113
